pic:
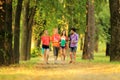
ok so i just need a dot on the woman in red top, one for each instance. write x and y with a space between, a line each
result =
45 39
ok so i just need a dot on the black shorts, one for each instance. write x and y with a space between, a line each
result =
45 46
73 49
63 47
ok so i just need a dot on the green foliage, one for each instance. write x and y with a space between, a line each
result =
14 3
76 14
102 15
57 13
32 3
36 52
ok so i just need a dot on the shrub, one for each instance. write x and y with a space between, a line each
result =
36 52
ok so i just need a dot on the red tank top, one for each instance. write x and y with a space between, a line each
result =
45 40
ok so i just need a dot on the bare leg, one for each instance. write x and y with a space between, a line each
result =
45 60
55 59
47 55
71 57
61 53
64 54
74 57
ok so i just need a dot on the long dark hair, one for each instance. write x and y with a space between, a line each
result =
62 33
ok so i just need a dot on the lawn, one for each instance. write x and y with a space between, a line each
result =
98 69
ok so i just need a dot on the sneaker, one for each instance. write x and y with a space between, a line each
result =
70 62
47 63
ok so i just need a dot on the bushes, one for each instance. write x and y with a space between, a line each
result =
36 52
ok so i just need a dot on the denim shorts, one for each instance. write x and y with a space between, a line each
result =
73 49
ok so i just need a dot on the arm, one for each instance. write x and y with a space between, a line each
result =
77 37
41 42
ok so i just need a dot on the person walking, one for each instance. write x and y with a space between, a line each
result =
56 44
45 41
73 45
63 45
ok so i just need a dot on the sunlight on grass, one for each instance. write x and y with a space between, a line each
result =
35 70
30 63
98 58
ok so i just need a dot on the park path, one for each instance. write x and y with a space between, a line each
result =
77 71
85 70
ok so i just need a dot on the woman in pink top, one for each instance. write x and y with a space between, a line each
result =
45 40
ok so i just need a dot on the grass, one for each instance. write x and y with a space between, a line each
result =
31 62
98 58
98 69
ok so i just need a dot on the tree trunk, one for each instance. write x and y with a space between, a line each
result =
96 45
115 30
108 43
96 40
28 16
17 31
24 38
81 41
90 30
2 32
107 49
6 55
30 24
8 25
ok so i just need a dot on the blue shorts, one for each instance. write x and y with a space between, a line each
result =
73 49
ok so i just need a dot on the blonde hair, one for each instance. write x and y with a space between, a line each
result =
55 30
44 33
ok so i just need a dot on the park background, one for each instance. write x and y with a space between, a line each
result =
22 23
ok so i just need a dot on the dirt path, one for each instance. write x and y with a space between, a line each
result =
77 71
